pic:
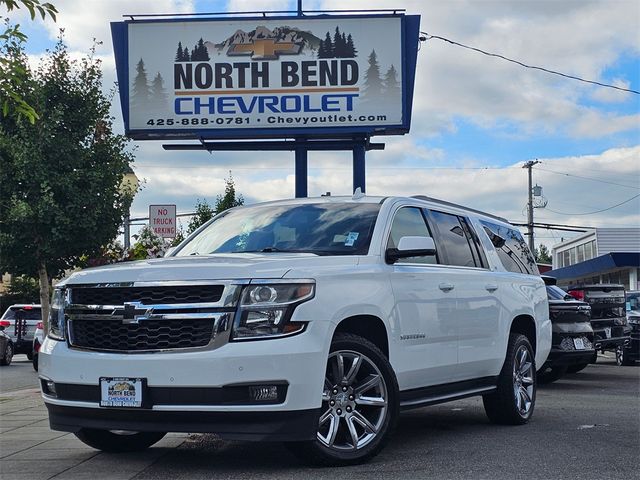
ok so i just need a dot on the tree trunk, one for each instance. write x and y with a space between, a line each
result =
45 294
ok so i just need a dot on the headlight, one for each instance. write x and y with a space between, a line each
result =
633 320
266 308
56 315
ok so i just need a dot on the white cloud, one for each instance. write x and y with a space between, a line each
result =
613 96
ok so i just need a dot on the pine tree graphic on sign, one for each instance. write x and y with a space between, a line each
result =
392 90
373 86
141 94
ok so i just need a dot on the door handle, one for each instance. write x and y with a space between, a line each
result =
491 287
445 287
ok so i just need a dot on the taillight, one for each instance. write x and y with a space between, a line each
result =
40 325
577 294
27 307
5 323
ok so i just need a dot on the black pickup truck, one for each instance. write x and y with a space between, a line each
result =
608 316
572 335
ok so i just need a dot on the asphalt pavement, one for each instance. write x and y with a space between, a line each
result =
586 426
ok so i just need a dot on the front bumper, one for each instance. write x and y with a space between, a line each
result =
189 391
296 425
559 358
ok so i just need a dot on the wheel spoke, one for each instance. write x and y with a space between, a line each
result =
352 431
362 420
325 416
522 358
525 367
340 365
518 398
527 380
353 370
525 397
367 384
371 401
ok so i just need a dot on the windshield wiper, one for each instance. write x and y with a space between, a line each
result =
275 250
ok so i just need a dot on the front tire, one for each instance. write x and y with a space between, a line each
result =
8 355
360 405
514 400
117 441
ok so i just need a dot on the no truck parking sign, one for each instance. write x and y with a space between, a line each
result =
162 220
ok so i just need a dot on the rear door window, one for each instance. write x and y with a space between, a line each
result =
456 238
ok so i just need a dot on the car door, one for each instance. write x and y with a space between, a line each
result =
477 308
423 310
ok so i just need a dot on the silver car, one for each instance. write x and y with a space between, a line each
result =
19 322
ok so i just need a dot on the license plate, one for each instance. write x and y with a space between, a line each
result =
121 392
578 343
607 332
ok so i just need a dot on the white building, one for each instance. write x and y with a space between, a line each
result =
604 255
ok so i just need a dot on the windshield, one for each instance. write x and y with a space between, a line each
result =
29 313
556 293
322 229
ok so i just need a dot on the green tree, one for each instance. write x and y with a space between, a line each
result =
542 254
21 289
204 212
229 199
12 73
61 177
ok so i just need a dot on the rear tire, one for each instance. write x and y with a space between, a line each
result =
8 355
514 400
30 356
360 405
34 362
110 441
551 375
626 361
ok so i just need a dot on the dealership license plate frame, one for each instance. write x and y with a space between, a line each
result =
139 392
578 343
607 332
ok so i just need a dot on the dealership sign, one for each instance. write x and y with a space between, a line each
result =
266 77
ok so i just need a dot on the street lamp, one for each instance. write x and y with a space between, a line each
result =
128 186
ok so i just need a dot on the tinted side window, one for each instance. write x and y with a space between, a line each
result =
409 221
454 239
511 247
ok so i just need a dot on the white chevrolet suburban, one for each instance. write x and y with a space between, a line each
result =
310 321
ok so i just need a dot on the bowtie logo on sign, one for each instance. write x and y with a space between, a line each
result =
264 49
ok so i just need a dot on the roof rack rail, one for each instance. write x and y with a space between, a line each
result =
450 204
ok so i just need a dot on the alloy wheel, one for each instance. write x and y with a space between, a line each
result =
354 401
523 380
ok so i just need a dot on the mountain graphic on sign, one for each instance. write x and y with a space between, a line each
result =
297 41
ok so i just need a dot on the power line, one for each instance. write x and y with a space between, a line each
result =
572 77
597 211
587 178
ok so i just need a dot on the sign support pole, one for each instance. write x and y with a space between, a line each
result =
301 168
359 150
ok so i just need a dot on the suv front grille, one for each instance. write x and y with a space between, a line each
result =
159 295
146 335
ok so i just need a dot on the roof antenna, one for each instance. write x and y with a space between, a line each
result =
357 195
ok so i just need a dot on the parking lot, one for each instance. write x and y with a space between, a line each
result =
586 425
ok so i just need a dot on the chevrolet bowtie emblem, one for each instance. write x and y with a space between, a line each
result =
133 312
264 49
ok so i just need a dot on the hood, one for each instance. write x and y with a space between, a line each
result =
205 267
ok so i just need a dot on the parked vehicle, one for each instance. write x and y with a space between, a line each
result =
631 352
20 324
310 321
608 318
38 338
572 336
6 348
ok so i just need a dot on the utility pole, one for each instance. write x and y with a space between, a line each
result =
529 165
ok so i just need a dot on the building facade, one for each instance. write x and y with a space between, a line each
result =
603 255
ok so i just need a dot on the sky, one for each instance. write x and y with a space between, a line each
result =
476 119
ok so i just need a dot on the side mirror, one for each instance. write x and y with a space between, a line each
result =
411 246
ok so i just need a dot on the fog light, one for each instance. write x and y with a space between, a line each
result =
263 393
49 388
